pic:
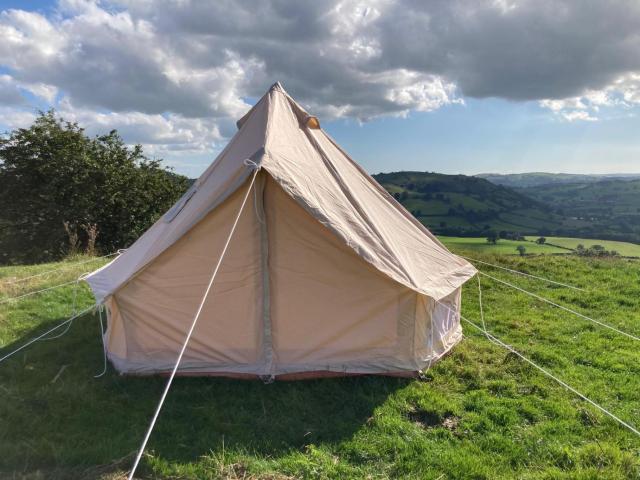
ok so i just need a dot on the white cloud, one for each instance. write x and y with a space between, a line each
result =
10 91
175 74
622 92
13 118
578 115
170 132
42 90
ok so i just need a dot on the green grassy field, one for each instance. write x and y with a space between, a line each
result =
502 247
553 245
623 248
480 413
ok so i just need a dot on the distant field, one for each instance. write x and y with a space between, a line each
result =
508 247
623 248
503 247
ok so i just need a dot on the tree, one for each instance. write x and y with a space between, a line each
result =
52 174
492 237
541 240
521 250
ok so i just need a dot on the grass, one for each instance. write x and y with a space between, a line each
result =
502 247
480 413
554 245
623 248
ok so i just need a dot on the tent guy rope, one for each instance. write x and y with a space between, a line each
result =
484 326
543 370
65 267
76 281
33 340
73 310
18 297
562 307
193 324
518 272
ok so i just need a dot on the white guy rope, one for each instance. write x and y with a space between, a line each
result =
73 310
546 372
517 272
562 307
484 326
7 300
250 163
65 267
193 325
33 340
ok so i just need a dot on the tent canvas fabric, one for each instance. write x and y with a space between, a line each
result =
326 272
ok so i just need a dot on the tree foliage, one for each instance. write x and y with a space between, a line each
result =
595 251
55 179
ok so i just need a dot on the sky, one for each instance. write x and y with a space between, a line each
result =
450 86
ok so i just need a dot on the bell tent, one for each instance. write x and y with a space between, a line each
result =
325 272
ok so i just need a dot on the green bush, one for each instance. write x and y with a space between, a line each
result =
57 186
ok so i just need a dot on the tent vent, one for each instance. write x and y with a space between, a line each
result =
312 123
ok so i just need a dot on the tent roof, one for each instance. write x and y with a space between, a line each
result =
283 139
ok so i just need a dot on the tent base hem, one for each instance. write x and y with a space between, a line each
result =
317 374
299 375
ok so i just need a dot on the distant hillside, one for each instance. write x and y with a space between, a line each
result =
610 207
523 180
463 205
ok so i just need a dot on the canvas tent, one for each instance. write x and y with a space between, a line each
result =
325 273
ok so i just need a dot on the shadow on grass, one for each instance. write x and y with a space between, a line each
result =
54 415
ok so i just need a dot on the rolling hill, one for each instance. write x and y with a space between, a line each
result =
599 207
464 205
609 207
533 179
605 199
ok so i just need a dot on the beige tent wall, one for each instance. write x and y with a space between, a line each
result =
290 297
150 315
330 309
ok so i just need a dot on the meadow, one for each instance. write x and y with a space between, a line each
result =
501 247
480 413
625 249
553 245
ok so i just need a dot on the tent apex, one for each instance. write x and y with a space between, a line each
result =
277 86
